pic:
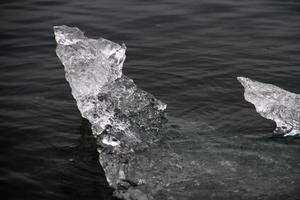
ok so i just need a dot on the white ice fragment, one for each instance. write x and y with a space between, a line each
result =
110 141
274 103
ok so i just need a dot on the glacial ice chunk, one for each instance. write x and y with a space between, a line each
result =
123 114
274 103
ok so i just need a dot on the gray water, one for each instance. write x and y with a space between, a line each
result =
187 53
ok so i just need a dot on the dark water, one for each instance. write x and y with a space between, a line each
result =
187 53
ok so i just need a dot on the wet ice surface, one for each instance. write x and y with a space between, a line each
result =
111 102
143 159
274 103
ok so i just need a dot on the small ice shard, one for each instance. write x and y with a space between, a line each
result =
274 103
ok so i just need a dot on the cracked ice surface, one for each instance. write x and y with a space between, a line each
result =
274 103
113 104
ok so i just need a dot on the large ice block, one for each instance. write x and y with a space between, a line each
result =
108 99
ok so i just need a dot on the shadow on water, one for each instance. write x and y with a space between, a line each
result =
68 172
85 172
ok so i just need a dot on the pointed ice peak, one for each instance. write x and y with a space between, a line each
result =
66 35
89 63
274 103
260 88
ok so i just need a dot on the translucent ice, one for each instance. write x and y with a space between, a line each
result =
125 114
274 103
89 63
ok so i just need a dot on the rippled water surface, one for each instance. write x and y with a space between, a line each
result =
187 53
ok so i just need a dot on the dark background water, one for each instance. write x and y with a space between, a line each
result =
187 53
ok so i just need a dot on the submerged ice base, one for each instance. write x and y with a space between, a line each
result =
272 102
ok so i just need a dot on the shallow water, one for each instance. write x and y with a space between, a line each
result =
186 53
